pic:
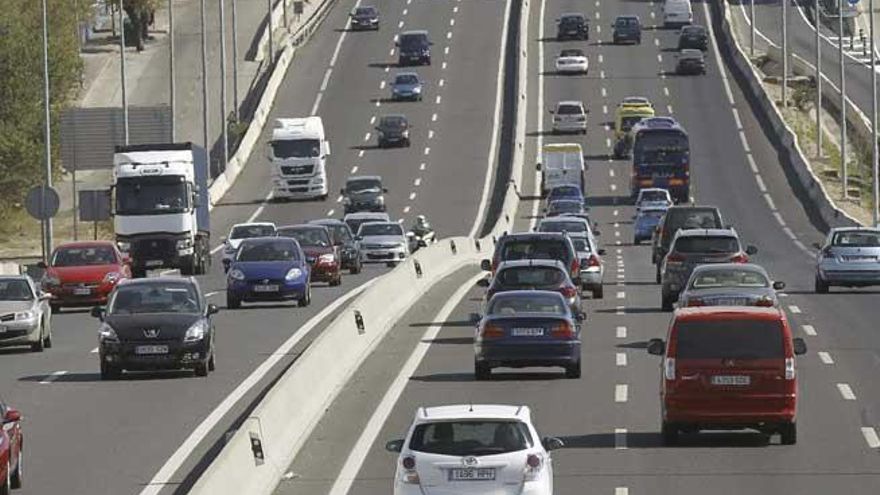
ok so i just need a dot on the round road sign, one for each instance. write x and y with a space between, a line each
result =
42 202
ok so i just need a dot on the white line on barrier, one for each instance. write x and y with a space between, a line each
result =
362 447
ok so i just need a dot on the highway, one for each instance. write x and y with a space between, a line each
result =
609 419
148 433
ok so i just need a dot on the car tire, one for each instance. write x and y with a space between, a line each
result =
201 369
47 340
788 433
7 484
637 242
336 281
657 277
355 269
821 286
482 371
212 361
307 299
665 303
55 308
40 344
16 480
232 302
599 292
573 371
668 434
109 372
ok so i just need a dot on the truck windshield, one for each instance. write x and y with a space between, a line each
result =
152 196
296 148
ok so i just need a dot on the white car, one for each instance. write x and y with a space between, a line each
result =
652 197
592 266
383 242
572 61
569 116
474 449
242 231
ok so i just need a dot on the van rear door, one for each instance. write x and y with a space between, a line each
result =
563 166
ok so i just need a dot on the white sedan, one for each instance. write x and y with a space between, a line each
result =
242 231
572 61
473 449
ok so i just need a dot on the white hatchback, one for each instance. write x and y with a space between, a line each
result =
569 116
473 449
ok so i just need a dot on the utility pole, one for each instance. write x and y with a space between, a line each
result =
752 20
205 121
47 129
223 112
234 61
874 158
818 83
843 165
271 34
785 53
172 90
122 71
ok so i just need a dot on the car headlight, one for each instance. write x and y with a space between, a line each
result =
405 133
123 246
381 200
346 200
293 274
184 243
236 274
112 277
417 89
107 334
25 315
403 245
196 332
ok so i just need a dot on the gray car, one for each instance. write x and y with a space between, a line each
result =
694 247
730 284
25 316
407 86
363 193
849 257
383 242
392 130
690 61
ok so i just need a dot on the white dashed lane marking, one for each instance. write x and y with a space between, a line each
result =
846 391
825 357
620 438
621 490
621 295
794 309
809 330
620 360
621 332
870 435
621 393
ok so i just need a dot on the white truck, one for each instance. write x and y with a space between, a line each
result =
298 152
161 214
561 164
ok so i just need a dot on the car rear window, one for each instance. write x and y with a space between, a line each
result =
706 244
729 339
84 256
566 206
276 250
540 249
857 239
581 245
570 110
513 303
691 219
530 276
471 438
572 226
708 279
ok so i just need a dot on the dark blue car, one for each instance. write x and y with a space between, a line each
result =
565 192
528 328
268 269
644 223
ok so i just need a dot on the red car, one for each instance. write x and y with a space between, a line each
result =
11 446
323 256
84 273
729 368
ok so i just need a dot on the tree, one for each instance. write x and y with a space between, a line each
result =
140 15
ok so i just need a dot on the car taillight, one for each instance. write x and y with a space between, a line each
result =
562 331
674 258
739 258
593 261
669 368
569 292
534 463
575 265
696 301
492 332
765 302
789 369
410 475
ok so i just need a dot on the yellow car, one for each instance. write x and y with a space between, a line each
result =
629 112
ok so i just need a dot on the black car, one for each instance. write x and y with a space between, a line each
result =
694 37
344 240
414 48
627 28
681 217
690 61
363 193
161 323
364 18
393 130
572 27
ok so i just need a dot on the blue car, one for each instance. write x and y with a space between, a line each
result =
407 86
268 269
565 192
528 328
645 222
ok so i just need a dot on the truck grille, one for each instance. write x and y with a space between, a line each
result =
297 169
154 249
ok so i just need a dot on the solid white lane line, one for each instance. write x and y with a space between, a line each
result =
620 359
846 391
809 330
540 139
871 437
622 490
371 431
621 393
427 150
825 357
621 332
794 309
326 79
620 438
54 376
621 295
770 202
185 450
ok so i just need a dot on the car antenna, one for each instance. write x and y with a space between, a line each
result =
518 409
471 407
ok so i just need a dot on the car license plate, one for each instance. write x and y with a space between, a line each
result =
731 301
860 259
82 291
151 349
737 380
527 332
471 474
2 329
265 288
150 263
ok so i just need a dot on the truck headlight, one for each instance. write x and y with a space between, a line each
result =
236 274
184 243
196 332
293 274
107 334
123 246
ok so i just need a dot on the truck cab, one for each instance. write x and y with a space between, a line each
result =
561 165
298 154
161 214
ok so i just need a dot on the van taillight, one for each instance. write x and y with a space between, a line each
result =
789 369
562 331
492 332
669 368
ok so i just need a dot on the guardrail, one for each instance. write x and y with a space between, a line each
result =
258 454
783 137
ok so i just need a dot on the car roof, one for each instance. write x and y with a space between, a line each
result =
652 208
692 208
691 52
651 189
470 411
393 116
415 31
327 221
303 226
570 51
533 235
383 222
163 280
254 224
527 293
627 16
535 262
706 233
732 266
703 313
572 14
364 177
563 220
570 102
855 229
406 73
366 214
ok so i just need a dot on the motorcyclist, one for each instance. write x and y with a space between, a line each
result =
421 227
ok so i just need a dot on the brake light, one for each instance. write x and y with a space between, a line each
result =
562 331
764 302
696 301
674 258
740 258
575 265
569 292
410 475
789 369
593 261
669 368
534 463
492 332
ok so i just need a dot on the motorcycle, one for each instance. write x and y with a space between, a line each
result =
417 241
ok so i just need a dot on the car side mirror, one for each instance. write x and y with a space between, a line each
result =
486 265
475 318
97 312
551 111
342 192
384 189
483 282
581 316
538 167
552 443
596 232
750 250
12 415
778 285
656 347
394 446
213 309
817 246
600 252
800 347
44 296
422 244
43 265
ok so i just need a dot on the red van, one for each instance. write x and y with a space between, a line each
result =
728 368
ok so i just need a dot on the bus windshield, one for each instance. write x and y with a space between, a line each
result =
660 146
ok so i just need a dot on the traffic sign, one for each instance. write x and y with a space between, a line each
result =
42 202
853 2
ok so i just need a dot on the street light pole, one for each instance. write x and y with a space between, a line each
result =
224 134
818 83
874 163
234 61
752 20
843 165
122 71
271 34
205 121
785 53
172 91
47 129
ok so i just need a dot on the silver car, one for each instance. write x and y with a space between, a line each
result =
730 284
592 266
569 116
383 242
25 317
850 257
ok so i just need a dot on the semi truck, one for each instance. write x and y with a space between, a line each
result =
160 207
298 153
